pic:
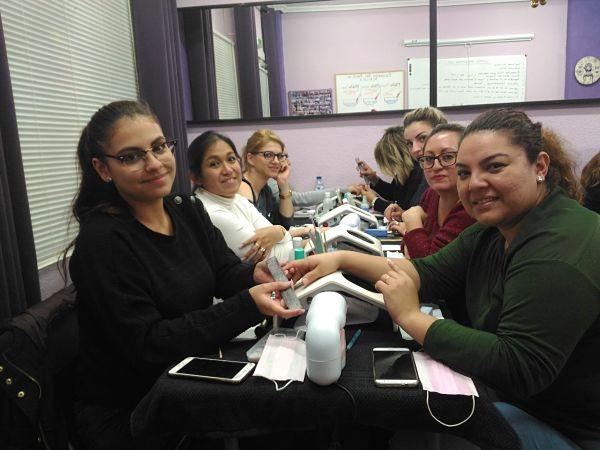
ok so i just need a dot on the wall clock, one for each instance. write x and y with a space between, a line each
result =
587 70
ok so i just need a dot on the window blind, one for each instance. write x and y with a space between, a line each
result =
66 59
226 74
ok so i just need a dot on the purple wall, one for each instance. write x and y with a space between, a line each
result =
319 45
328 147
583 39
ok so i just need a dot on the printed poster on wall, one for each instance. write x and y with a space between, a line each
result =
310 102
469 81
369 91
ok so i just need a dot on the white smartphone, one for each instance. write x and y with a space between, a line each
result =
394 367
212 369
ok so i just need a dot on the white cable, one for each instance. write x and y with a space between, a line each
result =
277 388
451 424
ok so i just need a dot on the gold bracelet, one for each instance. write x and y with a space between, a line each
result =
288 194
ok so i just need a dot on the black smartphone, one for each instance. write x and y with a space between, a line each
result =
394 367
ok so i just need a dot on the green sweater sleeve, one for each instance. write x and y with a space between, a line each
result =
547 307
443 274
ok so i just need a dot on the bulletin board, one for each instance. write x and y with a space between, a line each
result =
310 102
469 81
369 91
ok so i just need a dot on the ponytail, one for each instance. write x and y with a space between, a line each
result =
562 168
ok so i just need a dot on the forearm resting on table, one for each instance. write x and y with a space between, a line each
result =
371 268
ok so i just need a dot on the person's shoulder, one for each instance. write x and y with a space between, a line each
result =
428 196
560 229
185 207
101 227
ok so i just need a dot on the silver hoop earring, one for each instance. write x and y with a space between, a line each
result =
539 178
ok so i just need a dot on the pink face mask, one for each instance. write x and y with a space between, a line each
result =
437 377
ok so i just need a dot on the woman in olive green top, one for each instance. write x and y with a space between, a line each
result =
527 275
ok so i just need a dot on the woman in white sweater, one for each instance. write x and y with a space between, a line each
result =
216 173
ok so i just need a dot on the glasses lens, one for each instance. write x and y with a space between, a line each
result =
426 161
447 159
132 158
282 156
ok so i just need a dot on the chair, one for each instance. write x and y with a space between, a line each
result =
37 351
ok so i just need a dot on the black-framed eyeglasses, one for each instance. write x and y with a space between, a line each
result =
269 156
135 159
445 159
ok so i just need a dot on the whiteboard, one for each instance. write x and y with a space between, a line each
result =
369 91
469 81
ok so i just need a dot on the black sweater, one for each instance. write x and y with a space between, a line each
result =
406 195
145 299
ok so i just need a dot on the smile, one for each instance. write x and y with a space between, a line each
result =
486 201
156 179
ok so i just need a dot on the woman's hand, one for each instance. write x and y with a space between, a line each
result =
261 273
414 217
393 212
368 192
356 189
397 227
313 267
402 302
283 175
366 171
399 293
301 231
262 242
269 305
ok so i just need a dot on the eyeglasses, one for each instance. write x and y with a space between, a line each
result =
269 156
136 159
445 159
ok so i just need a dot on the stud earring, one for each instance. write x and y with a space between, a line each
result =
539 178
109 179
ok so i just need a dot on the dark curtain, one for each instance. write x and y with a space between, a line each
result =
197 27
273 45
247 62
19 283
157 52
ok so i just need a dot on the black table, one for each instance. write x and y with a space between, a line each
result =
201 408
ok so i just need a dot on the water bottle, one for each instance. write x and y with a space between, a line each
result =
319 186
298 249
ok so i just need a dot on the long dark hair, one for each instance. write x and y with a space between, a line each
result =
533 139
94 194
200 146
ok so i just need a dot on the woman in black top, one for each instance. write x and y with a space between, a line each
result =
146 268
393 158
265 157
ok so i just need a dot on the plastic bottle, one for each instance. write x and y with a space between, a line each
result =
298 249
319 186
328 202
364 204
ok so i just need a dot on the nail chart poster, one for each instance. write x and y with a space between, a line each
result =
369 91
310 102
